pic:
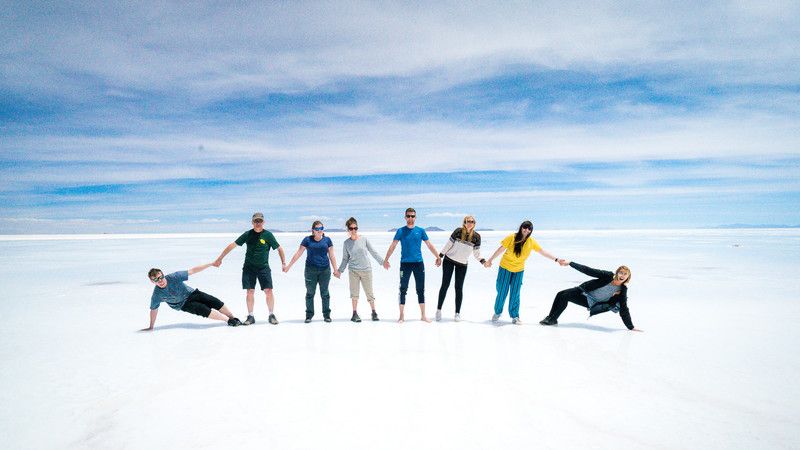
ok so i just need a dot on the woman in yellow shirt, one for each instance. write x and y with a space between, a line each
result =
509 278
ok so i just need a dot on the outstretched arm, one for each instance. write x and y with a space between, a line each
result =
494 255
227 250
435 253
388 254
294 258
586 270
200 268
153 315
548 255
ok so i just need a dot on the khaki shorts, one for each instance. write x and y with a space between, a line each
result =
365 279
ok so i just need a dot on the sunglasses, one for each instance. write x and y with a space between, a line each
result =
157 279
410 216
318 228
353 228
469 221
258 221
527 228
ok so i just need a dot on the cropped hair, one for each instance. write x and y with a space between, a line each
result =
154 273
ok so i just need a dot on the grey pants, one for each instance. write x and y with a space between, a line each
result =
314 276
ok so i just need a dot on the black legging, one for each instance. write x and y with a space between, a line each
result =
447 273
574 295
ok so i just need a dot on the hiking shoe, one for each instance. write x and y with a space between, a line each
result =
457 318
234 322
548 321
496 318
516 321
250 320
438 315
375 316
355 317
272 319
327 318
308 320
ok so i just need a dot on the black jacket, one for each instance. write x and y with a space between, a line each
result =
619 302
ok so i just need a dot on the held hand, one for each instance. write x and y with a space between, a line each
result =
487 264
438 261
563 262
217 262
386 264
285 268
337 274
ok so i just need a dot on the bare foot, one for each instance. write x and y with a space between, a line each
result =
425 319
401 319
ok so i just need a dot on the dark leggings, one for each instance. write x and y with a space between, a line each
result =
448 266
574 295
201 303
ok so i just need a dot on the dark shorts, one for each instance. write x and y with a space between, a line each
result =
201 303
264 277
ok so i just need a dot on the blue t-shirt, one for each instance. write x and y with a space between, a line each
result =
175 293
411 243
317 251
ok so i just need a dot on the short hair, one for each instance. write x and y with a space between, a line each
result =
408 210
350 221
154 273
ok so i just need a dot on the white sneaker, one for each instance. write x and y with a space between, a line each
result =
495 318
516 321
457 318
438 315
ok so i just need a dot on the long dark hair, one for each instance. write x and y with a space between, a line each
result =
519 242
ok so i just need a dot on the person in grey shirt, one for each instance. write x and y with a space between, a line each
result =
356 258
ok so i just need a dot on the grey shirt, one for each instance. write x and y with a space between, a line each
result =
601 294
176 292
355 253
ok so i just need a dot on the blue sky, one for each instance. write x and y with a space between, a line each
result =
167 118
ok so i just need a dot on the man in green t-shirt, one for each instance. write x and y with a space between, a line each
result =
256 264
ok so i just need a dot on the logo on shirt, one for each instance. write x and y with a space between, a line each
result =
262 241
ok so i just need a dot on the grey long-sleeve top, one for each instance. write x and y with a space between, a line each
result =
355 253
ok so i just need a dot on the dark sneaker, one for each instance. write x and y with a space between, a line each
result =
327 318
548 321
355 317
272 319
250 320
234 322
375 316
308 320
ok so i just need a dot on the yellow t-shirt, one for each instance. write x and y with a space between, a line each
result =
512 262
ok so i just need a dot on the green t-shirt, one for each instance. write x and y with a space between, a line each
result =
258 245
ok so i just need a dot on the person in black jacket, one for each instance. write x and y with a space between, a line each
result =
607 292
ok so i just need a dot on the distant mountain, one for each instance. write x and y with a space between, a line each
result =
484 229
747 225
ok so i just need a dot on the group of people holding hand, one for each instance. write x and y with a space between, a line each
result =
607 291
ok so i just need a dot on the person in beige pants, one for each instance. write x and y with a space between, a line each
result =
355 257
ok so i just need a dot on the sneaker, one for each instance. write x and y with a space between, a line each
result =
496 318
548 321
327 318
272 319
375 316
355 317
250 320
308 320
234 322
438 315
516 321
457 318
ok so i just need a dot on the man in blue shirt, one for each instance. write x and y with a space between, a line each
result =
410 238
172 290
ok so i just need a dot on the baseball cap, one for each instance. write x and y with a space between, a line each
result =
257 216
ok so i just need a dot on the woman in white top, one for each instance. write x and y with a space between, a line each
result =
464 241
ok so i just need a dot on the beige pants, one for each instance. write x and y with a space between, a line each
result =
363 277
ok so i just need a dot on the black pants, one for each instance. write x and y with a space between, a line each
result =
448 266
574 295
201 303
